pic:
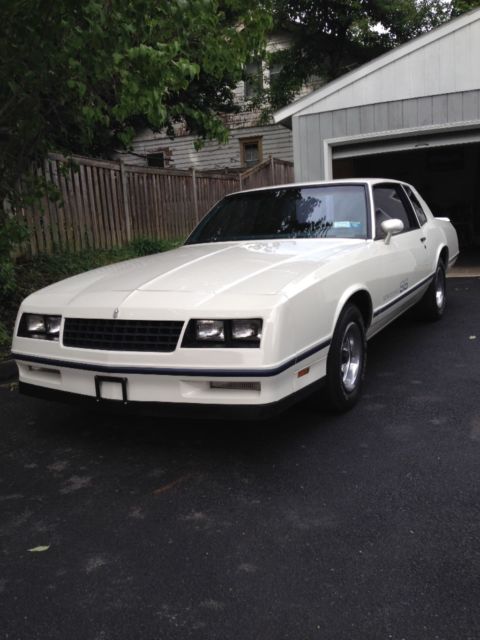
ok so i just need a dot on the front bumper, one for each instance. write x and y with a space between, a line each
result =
186 391
174 409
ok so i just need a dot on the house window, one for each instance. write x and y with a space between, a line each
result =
156 159
251 151
253 79
274 71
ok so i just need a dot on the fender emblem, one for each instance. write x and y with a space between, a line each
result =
115 313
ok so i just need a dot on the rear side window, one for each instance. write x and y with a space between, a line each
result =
422 218
390 202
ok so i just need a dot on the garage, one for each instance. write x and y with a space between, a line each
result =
412 114
446 174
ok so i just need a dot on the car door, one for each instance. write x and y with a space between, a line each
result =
402 263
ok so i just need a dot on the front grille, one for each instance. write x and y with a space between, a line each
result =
122 335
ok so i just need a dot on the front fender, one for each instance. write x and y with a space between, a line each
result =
349 293
314 312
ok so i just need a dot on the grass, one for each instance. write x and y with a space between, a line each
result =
42 270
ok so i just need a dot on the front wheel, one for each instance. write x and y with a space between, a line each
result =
347 359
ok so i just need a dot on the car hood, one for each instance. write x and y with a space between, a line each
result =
260 267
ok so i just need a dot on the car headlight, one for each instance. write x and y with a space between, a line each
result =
35 325
210 330
247 329
223 333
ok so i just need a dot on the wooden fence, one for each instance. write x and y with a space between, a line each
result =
106 204
271 171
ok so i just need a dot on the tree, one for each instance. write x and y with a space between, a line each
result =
80 77
332 37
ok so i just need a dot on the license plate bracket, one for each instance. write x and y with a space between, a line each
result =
98 386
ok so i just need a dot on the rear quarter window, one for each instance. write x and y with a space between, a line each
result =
391 202
417 207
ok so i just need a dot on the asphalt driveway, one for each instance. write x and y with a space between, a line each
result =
361 526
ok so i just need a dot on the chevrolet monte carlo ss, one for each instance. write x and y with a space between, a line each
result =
276 291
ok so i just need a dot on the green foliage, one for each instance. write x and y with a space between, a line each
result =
79 77
457 7
82 77
332 37
11 234
146 246
38 272
5 339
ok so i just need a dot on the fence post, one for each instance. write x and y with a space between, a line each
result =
240 180
272 169
195 197
126 203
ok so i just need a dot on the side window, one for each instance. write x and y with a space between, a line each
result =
390 202
422 218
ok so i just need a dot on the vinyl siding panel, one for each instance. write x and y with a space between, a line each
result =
381 117
440 109
409 113
367 119
339 122
425 111
455 107
314 148
471 106
297 149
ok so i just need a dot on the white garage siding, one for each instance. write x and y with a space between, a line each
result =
445 65
415 118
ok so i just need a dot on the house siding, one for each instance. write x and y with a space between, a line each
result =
276 142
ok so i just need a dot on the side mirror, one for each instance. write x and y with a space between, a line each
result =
391 228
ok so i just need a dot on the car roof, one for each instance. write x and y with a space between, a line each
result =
320 183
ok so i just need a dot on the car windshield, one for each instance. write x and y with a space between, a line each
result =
330 211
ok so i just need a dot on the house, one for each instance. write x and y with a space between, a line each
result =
412 114
250 142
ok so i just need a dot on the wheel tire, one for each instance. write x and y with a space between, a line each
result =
434 301
347 359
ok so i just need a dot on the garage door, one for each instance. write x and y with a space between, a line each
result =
398 143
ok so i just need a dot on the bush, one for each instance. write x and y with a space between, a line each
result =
12 233
147 246
5 339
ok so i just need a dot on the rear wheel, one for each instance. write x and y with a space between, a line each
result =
433 303
347 359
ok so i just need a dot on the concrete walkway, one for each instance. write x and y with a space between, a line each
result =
467 266
472 271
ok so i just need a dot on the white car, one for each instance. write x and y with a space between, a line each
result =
275 292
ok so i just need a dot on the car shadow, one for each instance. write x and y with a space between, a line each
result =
109 431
